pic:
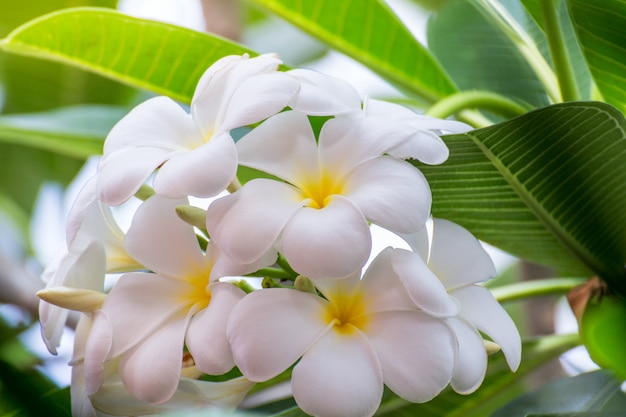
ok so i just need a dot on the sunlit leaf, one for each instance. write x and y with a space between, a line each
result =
74 131
597 392
368 31
603 330
602 34
549 186
159 57
479 53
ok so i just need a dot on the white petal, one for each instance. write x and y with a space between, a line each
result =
85 198
206 336
190 395
457 257
425 146
270 329
283 146
224 266
331 242
123 172
217 85
96 350
322 95
483 311
471 363
139 304
345 143
419 242
203 172
378 290
338 376
246 224
416 353
384 109
391 193
423 286
157 122
151 370
163 242
258 98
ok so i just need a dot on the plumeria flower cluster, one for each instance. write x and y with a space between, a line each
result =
184 309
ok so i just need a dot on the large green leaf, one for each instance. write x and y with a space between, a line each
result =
368 31
597 391
156 56
481 51
77 132
548 186
601 29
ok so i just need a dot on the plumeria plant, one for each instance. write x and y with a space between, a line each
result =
249 282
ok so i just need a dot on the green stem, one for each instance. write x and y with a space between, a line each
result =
536 288
272 273
475 99
282 262
558 51
234 185
473 118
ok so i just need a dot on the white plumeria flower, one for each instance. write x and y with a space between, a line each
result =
318 216
195 152
95 246
365 333
150 316
425 144
112 398
457 258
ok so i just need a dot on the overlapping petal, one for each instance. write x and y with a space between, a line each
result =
151 300
471 363
482 310
457 257
331 242
151 369
338 376
246 224
258 98
206 335
291 321
425 289
122 173
323 95
390 193
288 135
345 143
416 352
149 239
207 170
157 122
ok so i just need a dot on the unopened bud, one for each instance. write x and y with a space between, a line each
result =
73 298
194 216
302 283
491 347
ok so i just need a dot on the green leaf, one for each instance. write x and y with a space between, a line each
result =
598 392
548 186
481 51
499 387
603 330
601 30
368 31
73 131
159 57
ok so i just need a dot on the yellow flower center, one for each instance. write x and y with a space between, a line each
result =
347 312
319 191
